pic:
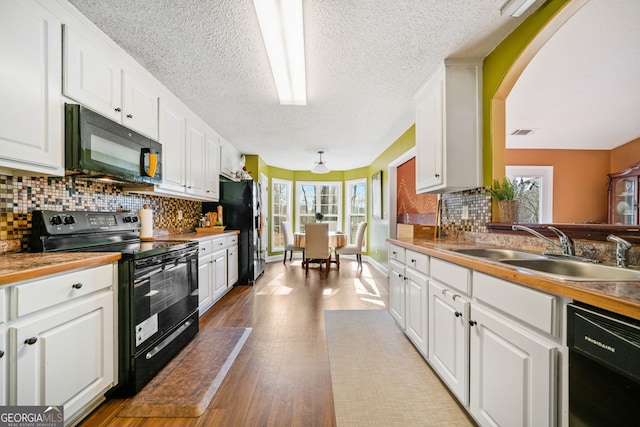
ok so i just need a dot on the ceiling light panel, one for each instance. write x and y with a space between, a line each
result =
283 34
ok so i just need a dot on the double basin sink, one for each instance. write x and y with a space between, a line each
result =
558 268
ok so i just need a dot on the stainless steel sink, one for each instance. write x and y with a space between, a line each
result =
575 270
498 253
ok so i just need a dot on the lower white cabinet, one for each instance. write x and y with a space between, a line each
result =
417 286
397 291
3 366
513 374
62 341
449 338
217 269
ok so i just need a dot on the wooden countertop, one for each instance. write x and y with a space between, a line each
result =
16 267
198 236
619 297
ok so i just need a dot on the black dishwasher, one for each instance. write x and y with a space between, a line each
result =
604 367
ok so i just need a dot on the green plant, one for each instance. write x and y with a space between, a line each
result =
505 191
319 217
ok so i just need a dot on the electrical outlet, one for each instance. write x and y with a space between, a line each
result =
179 214
465 212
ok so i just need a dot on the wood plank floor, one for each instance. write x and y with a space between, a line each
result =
281 377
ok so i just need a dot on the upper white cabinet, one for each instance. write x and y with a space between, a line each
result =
229 159
212 166
31 112
97 77
449 129
172 135
196 157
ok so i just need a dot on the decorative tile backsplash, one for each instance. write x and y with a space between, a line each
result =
21 195
478 204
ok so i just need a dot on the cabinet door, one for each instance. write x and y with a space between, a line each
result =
513 373
219 265
31 113
430 137
196 151
232 266
65 356
212 166
205 296
397 293
449 338
91 77
172 136
416 310
140 106
4 356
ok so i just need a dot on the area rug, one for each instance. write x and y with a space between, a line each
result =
187 384
380 379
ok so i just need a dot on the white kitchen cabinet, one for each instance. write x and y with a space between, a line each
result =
229 160
62 340
397 299
4 356
217 269
31 113
416 304
196 157
449 338
513 373
172 135
448 129
99 77
212 166
232 260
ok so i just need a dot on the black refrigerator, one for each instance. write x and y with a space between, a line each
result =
242 211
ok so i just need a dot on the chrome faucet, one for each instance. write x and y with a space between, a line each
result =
622 250
565 243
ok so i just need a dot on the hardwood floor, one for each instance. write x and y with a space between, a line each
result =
282 376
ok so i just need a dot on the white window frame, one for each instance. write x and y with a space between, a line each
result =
287 217
545 173
317 184
347 203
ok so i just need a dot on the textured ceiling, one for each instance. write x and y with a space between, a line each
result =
365 61
582 90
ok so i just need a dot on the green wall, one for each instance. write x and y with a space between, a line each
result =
497 64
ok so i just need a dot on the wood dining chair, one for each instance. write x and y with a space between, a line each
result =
289 245
355 248
317 245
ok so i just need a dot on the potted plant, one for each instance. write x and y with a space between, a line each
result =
506 194
319 217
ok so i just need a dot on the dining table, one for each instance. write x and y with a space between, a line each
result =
337 239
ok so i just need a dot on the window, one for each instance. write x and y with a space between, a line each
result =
356 206
536 203
315 197
280 211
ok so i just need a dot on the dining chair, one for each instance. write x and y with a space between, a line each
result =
352 249
317 245
289 245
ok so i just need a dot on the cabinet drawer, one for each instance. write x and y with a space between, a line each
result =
417 261
451 274
52 290
218 243
204 247
232 240
396 253
535 308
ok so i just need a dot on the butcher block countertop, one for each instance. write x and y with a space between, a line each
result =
619 297
16 267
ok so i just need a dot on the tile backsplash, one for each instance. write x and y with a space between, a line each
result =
21 195
478 205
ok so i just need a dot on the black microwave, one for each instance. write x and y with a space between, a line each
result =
101 148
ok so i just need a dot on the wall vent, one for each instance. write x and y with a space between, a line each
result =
522 132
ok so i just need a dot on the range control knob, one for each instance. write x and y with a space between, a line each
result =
126 219
134 219
55 220
69 219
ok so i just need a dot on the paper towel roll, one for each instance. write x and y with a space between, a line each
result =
146 223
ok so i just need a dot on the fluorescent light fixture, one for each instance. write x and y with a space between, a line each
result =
320 167
516 8
283 35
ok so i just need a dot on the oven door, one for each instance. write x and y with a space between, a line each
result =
165 293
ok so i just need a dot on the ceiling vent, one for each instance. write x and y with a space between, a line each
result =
522 132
